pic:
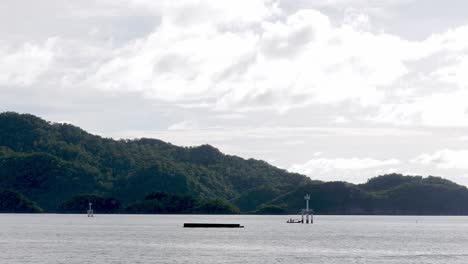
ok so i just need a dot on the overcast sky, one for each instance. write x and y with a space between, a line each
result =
334 89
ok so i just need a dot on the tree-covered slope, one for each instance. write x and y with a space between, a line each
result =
388 194
51 163
60 167
14 202
164 203
326 198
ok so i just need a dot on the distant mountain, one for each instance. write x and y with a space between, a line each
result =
52 163
392 194
60 167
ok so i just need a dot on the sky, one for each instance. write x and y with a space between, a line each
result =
339 90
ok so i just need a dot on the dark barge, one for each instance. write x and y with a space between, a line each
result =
212 225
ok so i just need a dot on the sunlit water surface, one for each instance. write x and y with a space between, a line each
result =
49 238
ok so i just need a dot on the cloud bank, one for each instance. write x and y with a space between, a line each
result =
345 169
369 83
256 55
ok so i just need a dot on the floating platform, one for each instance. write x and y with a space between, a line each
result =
212 225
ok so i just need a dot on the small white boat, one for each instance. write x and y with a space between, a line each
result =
294 221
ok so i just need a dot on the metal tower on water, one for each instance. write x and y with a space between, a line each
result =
90 210
308 213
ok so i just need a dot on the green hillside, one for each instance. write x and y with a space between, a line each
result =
14 202
62 167
392 194
51 163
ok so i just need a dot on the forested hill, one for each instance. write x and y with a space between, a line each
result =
392 194
60 168
50 163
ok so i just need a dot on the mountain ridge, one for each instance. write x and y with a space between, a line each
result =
53 164
74 161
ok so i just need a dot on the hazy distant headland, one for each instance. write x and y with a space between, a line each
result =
49 167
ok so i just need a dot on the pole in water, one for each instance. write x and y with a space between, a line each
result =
307 198
90 210
308 213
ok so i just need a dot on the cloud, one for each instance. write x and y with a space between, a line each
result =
23 65
232 116
257 55
294 142
357 20
456 72
350 169
184 125
361 2
250 56
189 133
344 164
426 110
340 120
444 159
187 12
277 60
437 79
269 59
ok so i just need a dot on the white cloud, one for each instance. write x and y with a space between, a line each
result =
277 62
437 109
294 142
251 55
343 164
366 2
24 65
357 20
456 72
187 12
444 159
232 116
350 169
190 133
437 89
340 120
265 58
184 125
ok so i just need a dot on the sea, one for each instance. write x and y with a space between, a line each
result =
61 238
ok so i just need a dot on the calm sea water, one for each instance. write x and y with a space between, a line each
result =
49 238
